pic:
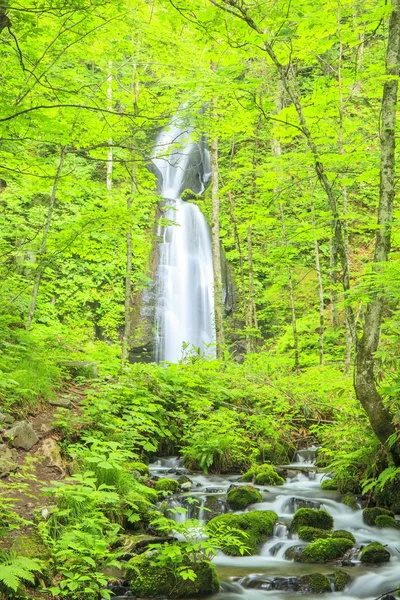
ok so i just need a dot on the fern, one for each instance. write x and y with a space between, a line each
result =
15 570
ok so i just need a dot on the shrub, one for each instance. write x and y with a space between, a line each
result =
310 517
240 498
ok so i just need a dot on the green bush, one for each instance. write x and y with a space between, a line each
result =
374 553
240 498
310 517
325 550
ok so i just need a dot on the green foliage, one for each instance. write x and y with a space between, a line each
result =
329 484
14 572
310 517
240 498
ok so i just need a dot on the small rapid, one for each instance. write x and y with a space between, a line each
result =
269 575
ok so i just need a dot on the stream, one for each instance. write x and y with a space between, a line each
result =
258 577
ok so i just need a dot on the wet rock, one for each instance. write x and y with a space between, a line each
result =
350 500
22 435
294 504
214 506
8 460
240 498
340 579
309 517
324 550
315 583
374 553
61 402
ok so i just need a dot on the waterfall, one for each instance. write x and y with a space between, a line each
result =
184 282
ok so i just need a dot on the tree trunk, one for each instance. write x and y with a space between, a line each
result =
43 249
320 286
4 20
365 384
333 276
110 106
216 250
129 250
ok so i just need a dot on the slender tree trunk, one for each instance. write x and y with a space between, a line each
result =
129 249
365 383
333 276
110 106
43 249
4 20
216 250
320 286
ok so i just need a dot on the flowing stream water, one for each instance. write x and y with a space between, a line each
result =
184 283
258 577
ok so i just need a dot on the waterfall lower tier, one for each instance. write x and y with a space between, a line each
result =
184 303
184 287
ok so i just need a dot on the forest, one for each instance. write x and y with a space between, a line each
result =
199 299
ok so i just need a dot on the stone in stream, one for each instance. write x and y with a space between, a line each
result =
309 517
294 504
370 515
257 525
22 435
374 553
241 497
315 583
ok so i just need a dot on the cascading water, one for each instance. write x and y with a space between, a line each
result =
184 283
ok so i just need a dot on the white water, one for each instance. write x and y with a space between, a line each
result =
184 285
243 577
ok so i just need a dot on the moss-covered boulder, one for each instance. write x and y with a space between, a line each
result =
386 521
346 535
324 550
310 517
340 580
329 484
389 495
147 579
140 467
374 553
263 475
315 583
167 485
253 528
350 500
370 515
240 498
310 534
138 511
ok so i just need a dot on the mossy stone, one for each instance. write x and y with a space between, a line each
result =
341 580
389 495
240 498
147 579
310 534
140 468
350 500
316 583
329 484
324 550
167 485
257 525
386 521
374 553
344 535
370 514
263 475
310 517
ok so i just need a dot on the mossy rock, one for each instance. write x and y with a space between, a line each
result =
240 498
389 496
188 195
140 468
167 485
386 521
310 517
341 579
256 525
316 583
263 475
147 579
137 505
322 551
374 553
350 500
329 484
344 535
310 534
370 514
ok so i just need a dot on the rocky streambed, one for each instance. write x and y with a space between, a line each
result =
279 569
